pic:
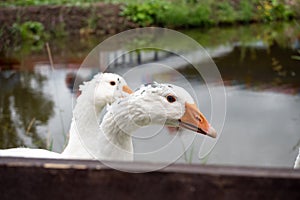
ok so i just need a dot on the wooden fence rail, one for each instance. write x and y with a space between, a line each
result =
74 179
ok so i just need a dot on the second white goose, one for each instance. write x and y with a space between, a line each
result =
101 90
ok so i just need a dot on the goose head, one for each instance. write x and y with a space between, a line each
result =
110 87
169 105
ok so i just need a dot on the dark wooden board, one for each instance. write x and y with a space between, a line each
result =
74 179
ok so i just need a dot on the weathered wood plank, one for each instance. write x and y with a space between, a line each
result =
73 179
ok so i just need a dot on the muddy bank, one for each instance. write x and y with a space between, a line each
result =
58 21
99 18
104 18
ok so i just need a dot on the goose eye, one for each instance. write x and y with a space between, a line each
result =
112 83
171 98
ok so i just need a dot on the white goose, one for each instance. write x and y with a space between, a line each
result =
297 162
102 89
151 104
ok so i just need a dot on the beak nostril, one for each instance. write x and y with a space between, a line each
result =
199 118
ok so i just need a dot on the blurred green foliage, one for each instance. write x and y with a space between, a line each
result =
145 13
32 34
30 30
274 10
185 13
246 11
224 12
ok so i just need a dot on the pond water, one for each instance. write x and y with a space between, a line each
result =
258 64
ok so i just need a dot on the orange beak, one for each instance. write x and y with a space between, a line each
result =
127 89
195 121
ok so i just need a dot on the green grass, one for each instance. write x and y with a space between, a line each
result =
246 11
184 13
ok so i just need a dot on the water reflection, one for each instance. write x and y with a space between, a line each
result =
269 69
24 108
256 64
276 72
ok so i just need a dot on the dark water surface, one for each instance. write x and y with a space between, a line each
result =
258 64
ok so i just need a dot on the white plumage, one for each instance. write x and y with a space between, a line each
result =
151 104
102 89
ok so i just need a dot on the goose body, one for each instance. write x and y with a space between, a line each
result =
102 89
29 153
94 97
